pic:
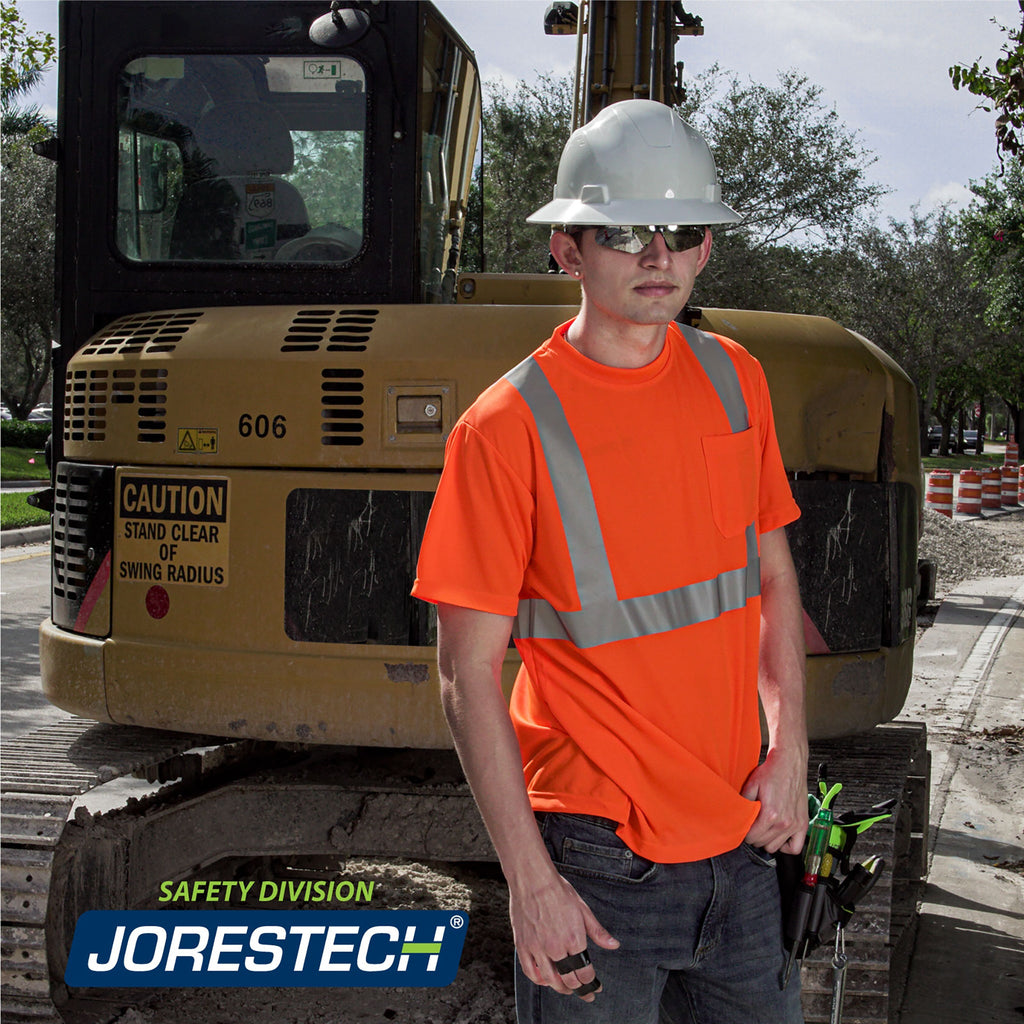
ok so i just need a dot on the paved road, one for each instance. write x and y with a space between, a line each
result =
25 592
968 960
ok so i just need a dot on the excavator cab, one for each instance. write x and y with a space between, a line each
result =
218 150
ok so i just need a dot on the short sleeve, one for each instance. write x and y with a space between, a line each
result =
479 534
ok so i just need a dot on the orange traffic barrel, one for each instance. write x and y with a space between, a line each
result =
968 499
1012 453
1009 485
939 493
992 488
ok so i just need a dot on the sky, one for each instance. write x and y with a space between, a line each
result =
882 64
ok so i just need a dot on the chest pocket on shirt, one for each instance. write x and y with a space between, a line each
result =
731 463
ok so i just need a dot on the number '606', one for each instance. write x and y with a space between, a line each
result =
261 425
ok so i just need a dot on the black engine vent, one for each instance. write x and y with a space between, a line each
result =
83 516
329 330
142 332
86 393
341 406
152 405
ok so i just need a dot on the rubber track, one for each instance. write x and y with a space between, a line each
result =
42 774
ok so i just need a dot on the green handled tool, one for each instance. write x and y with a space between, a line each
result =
816 848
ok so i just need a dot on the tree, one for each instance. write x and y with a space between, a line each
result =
993 227
25 58
918 301
524 133
27 321
797 174
1003 88
785 159
28 188
329 173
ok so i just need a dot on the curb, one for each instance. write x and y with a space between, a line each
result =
28 535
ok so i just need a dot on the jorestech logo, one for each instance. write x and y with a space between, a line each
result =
236 948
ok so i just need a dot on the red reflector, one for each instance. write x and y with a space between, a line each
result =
157 602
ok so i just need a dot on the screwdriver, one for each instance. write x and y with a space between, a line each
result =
796 926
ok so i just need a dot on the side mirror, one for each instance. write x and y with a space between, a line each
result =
344 25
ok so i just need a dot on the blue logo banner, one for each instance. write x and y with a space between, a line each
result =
236 948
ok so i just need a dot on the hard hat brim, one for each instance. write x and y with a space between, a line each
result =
683 212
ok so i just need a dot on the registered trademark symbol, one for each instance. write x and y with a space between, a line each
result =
457 921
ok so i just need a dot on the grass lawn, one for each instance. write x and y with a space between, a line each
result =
992 460
22 464
15 464
16 512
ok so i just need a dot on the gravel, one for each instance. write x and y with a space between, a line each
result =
970 548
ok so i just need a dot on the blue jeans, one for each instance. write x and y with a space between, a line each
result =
701 943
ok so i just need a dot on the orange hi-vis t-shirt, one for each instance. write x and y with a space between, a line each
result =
657 731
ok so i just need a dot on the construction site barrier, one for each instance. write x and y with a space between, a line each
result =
939 493
968 499
992 489
1012 454
1009 486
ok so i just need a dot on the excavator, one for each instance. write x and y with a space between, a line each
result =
265 339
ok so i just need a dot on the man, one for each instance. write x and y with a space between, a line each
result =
619 498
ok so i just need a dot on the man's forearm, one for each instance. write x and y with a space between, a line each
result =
489 752
549 920
780 783
782 668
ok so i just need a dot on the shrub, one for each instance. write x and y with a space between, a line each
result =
22 434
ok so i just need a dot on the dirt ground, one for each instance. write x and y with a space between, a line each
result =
482 990
480 994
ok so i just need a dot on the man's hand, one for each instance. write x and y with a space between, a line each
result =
780 783
550 924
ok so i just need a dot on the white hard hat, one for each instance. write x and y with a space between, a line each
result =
637 162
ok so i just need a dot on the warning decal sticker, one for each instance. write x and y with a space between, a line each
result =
172 530
197 440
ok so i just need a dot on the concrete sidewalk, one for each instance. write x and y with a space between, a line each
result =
968 961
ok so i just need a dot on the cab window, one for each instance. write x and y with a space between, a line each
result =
241 158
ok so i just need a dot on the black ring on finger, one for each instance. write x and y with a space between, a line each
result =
572 962
585 990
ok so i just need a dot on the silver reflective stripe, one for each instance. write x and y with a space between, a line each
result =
602 617
573 492
721 372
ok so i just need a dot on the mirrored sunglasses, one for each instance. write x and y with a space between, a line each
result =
634 239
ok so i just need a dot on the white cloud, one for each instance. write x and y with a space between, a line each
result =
951 193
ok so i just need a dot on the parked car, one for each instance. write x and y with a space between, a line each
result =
41 414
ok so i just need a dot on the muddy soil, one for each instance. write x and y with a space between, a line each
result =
482 991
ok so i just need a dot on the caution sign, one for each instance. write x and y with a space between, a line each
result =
172 530
197 440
